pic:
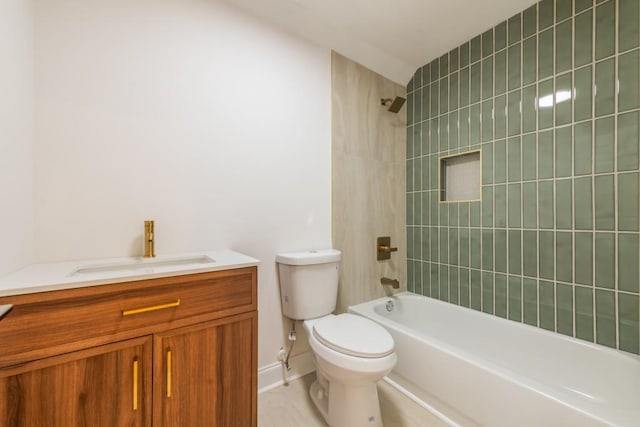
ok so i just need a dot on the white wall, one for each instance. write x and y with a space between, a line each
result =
187 112
16 134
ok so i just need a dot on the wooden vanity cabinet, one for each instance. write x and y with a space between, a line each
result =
90 357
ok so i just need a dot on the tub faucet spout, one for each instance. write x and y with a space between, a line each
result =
391 282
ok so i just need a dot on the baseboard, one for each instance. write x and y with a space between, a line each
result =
270 376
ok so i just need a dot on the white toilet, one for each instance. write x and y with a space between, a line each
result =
352 353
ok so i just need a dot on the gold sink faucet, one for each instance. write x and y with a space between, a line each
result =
149 251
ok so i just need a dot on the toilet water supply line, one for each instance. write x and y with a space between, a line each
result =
284 356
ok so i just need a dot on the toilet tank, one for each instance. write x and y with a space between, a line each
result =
308 283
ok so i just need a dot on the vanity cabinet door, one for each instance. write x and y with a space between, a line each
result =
102 386
206 374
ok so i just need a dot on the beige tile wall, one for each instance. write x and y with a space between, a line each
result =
368 179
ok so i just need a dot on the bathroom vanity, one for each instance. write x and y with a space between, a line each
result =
175 348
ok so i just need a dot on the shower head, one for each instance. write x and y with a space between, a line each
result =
396 104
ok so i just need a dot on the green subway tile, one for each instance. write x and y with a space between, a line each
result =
564 309
583 49
529 60
410 245
410 85
530 301
605 84
464 247
463 214
443 133
545 104
530 253
564 9
476 248
529 163
583 4
563 94
426 283
500 214
514 199
476 82
464 128
628 31
409 142
464 86
583 203
476 290
584 258
513 113
514 172
582 148
410 103
476 49
444 65
425 174
564 257
454 293
464 287
500 118
500 292
409 209
435 99
530 21
426 74
583 93
417 109
453 130
629 81
529 119
410 278
629 323
487 292
434 280
545 54
487 163
453 91
628 141
425 244
487 78
564 152
474 124
487 250
515 252
435 70
453 60
453 246
500 158
513 64
487 120
487 43
604 145
425 210
545 14
487 206
529 205
545 204
605 318
605 30
628 262
417 243
546 251
424 143
464 54
434 143
628 192
417 177
564 212
474 214
444 95
515 298
417 78
434 240
443 214
515 28
500 68
564 47
501 250
605 260
604 209
500 36
547 306
584 313
433 171
444 283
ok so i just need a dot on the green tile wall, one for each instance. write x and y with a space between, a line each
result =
551 97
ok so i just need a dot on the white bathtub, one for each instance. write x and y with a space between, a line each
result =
502 373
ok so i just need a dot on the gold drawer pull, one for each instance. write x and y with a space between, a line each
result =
152 308
169 373
135 385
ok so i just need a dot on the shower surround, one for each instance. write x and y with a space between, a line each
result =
551 98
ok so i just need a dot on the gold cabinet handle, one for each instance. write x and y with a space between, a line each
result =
168 373
152 308
135 385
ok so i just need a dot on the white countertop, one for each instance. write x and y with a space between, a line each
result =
77 274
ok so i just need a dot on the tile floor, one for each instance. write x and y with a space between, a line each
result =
291 406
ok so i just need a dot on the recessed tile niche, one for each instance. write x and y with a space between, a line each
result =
460 177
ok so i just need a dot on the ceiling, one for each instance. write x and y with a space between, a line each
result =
391 37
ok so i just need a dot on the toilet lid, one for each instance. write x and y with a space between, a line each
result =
354 335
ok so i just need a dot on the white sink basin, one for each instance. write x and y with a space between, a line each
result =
145 265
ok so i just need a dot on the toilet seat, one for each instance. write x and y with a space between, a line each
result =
354 336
